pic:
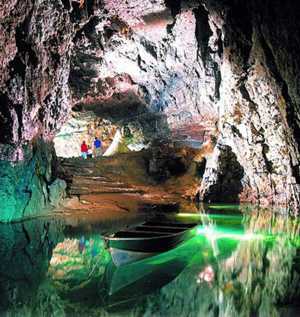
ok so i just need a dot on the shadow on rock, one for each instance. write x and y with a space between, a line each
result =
227 183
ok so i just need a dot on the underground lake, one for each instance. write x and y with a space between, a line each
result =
241 261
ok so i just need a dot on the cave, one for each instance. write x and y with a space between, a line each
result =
196 104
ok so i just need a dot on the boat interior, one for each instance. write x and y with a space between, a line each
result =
154 229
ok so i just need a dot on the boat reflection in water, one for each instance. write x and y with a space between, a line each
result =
128 281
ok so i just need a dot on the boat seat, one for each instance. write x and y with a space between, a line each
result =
160 229
142 234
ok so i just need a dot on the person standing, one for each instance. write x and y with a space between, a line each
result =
97 147
84 150
89 153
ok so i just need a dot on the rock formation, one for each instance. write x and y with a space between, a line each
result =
258 100
158 68
155 180
36 41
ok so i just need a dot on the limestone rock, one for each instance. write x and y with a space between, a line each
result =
57 192
223 177
155 69
36 40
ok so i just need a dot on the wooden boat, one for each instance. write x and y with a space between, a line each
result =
146 240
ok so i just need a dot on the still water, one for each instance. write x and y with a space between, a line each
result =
242 262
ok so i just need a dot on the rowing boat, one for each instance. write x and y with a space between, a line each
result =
147 239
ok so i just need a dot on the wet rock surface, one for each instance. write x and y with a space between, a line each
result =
257 97
36 40
227 184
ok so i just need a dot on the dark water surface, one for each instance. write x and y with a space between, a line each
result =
242 262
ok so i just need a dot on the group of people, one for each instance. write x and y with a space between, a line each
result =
87 152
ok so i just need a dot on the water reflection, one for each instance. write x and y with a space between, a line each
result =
239 264
25 251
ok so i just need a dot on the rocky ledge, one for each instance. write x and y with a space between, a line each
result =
158 180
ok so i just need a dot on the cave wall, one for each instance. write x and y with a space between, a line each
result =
30 186
36 41
34 85
258 117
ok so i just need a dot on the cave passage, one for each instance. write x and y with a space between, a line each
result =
199 98
149 158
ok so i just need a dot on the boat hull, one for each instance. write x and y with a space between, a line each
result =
152 245
146 240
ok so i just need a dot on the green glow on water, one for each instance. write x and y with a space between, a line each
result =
223 260
224 207
230 227
207 247
213 216
217 233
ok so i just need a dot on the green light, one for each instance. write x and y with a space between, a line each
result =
224 207
212 216
212 233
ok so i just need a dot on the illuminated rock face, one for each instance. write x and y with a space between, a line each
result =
34 84
143 66
83 127
158 65
30 187
258 101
